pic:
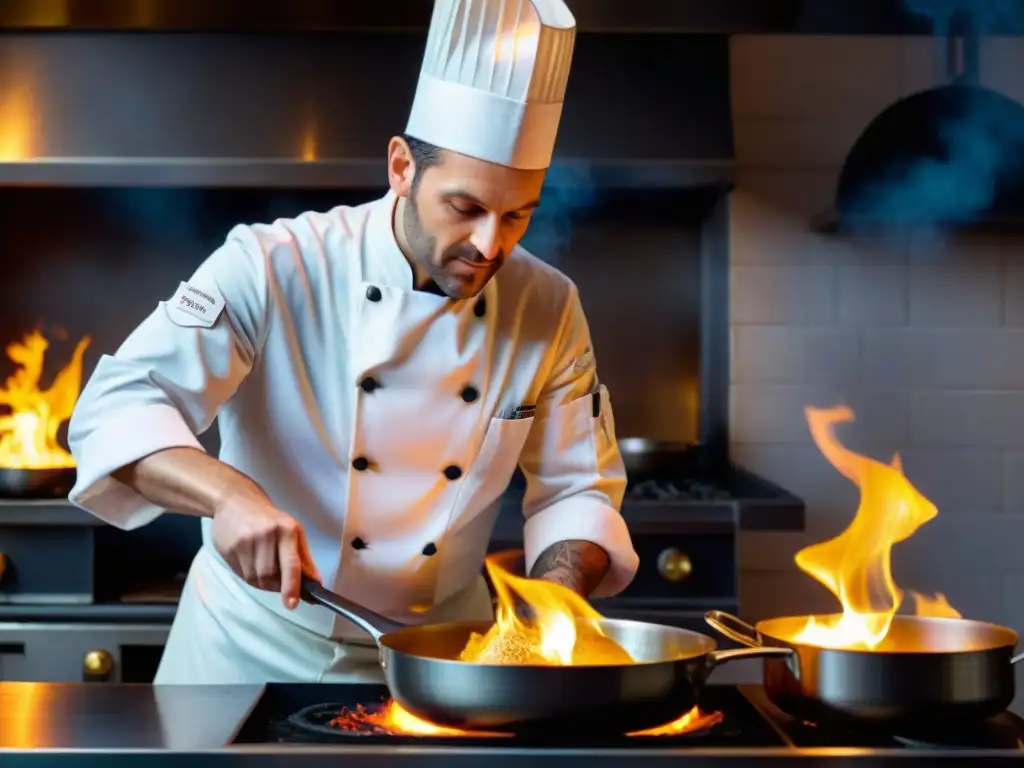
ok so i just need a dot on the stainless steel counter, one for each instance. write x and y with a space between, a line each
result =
109 726
119 717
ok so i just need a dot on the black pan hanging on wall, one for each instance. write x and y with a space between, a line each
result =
949 158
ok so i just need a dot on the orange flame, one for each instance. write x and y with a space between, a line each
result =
856 566
392 718
561 631
28 433
937 607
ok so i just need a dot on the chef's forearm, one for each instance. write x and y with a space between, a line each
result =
578 565
186 480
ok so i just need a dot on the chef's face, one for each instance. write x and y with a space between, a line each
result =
461 217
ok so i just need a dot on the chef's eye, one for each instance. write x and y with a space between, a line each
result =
464 209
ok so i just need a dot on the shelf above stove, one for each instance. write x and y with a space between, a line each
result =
44 512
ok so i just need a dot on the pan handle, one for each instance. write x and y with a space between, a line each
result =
744 634
370 622
715 658
735 629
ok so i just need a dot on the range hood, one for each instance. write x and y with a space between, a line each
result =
295 110
949 158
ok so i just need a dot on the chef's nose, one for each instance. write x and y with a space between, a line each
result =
486 237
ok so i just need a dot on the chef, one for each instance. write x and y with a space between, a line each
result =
377 373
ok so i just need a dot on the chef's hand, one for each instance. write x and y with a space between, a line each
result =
263 545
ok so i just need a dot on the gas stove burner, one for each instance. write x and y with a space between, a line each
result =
675 490
333 721
339 721
314 713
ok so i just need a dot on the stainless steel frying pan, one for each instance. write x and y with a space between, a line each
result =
423 674
926 671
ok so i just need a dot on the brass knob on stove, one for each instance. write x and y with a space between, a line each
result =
673 565
97 664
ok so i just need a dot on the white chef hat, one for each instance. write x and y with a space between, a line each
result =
493 79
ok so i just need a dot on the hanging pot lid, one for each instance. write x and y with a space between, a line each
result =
951 157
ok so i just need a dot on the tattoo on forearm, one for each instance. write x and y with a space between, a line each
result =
579 565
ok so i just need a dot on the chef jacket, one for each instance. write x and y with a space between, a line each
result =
386 420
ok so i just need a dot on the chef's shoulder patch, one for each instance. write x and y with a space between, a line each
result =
195 307
584 362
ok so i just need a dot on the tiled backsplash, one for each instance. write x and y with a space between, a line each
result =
925 342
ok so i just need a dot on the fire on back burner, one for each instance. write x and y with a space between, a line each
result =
389 719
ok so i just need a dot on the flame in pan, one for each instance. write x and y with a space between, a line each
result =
856 566
559 629
28 431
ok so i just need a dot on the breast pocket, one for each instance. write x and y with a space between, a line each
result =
477 508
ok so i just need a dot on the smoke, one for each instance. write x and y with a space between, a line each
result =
568 192
985 16
980 142
163 215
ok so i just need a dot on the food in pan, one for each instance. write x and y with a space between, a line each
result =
560 630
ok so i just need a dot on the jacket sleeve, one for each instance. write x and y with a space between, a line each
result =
575 475
165 384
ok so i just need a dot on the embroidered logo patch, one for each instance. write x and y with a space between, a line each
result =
195 306
519 412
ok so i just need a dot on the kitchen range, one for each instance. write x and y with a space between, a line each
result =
866 684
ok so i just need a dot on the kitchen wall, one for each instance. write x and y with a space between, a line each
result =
924 340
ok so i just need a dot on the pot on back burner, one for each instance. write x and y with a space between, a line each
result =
51 483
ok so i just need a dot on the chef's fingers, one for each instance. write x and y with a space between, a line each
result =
245 554
268 575
290 562
232 560
308 564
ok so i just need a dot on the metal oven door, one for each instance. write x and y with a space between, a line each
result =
75 653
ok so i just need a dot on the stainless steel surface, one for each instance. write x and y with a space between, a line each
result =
60 652
121 725
924 671
206 110
85 716
424 675
46 484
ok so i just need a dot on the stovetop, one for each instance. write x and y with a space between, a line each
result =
731 717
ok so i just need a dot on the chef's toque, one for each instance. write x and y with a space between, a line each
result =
493 79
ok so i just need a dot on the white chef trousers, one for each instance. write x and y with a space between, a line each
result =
222 636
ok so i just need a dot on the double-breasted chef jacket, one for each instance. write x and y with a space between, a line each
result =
386 420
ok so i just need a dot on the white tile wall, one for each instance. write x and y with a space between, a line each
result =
925 342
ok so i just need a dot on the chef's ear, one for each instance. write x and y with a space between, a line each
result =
401 167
